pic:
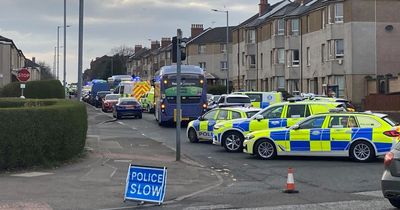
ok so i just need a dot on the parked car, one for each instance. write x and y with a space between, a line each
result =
231 100
390 182
109 101
262 99
99 98
127 107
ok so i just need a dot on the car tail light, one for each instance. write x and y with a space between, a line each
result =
392 133
388 158
162 107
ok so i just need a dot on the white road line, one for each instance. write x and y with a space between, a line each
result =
31 174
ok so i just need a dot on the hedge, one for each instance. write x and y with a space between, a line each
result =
35 89
40 132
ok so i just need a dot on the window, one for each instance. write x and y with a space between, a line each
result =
340 82
233 99
339 13
203 65
236 115
210 115
271 57
323 18
308 56
295 58
295 27
342 122
339 48
224 65
322 53
243 59
296 111
168 55
254 97
261 59
281 56
331 49
252 61
222 115
368 122
202 49
330 8
274 112
281 27
251 114
223 48
280 82
251 36
308 23
315 122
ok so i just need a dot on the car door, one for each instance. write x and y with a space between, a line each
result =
306 137
271 118
296 112
204 128
341 132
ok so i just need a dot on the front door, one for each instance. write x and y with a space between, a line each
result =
341 129
307 136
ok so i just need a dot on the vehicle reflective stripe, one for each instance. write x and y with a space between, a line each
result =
361 133
264 104
277 123
256 104
203 126
383 147
325 140
196 125
282 139
300 140
211 124
244 126
300 145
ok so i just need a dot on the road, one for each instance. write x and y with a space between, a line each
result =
336 183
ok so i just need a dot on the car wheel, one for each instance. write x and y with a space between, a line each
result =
265 150
233 141
362 151
395 202
192 135
140 116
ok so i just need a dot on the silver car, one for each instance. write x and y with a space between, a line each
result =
391 176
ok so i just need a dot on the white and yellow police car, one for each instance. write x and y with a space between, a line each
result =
361 136
202 128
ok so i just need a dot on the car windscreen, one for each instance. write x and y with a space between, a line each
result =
238 100
251 113
132 103
112 97
102 93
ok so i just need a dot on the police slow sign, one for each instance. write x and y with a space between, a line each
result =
145 183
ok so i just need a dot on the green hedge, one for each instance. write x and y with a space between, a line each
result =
40 132
35 89
217 89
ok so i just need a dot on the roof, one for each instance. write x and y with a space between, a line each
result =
213 35
242 109
29 63
4 39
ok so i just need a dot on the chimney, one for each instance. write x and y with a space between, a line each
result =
263 6
138 47
165 42
155 45
33 59
196 30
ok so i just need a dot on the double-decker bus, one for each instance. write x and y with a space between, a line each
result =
193 93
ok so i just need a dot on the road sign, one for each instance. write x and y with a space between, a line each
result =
22 86
23 75
145 183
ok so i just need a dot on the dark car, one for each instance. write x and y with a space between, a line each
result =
99 98
127 107
391 176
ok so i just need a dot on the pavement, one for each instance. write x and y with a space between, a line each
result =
97 181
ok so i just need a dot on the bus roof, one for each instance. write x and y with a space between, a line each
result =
186 69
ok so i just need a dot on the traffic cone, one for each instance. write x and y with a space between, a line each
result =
290 187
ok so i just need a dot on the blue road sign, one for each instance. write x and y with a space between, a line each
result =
145 183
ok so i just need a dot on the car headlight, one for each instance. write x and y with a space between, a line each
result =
216 127
248 137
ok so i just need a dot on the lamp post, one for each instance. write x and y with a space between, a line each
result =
226 50
58 50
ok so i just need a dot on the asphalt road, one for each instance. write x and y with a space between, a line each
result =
324 183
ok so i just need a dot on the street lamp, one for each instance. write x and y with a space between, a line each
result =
58 50
226 50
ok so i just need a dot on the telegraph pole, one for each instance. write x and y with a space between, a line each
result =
178 95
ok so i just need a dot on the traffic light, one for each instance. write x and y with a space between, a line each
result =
182 46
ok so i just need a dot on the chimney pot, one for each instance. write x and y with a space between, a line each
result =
34 59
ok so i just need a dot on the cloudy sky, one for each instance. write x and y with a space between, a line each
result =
32 24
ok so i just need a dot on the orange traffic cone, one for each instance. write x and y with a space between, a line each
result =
290 187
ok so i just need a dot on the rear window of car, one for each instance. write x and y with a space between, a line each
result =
254 97
368 122
133 103
112 97
390 121
237 100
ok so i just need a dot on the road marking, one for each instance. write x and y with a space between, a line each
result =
377 193
122 161
32 174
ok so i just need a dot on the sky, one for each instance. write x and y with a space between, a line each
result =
32 24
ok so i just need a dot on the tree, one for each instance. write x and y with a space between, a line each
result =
45 71
121 56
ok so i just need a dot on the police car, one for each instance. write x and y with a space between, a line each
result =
361 136
262 99
201 129
230 134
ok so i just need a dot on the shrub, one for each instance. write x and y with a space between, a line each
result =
217 89
40 132
35 89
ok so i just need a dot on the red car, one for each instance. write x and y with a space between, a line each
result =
109 101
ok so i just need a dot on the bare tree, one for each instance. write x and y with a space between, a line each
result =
123 50
45 71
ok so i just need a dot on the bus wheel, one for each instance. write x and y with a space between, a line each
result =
192 136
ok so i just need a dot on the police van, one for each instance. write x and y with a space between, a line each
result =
262 99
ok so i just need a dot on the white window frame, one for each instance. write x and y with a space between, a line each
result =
281 30
252 65
338 18
323 18
337 54
340 81
201 49
280 55
224 65
295 63
323 52
251 36
295 32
